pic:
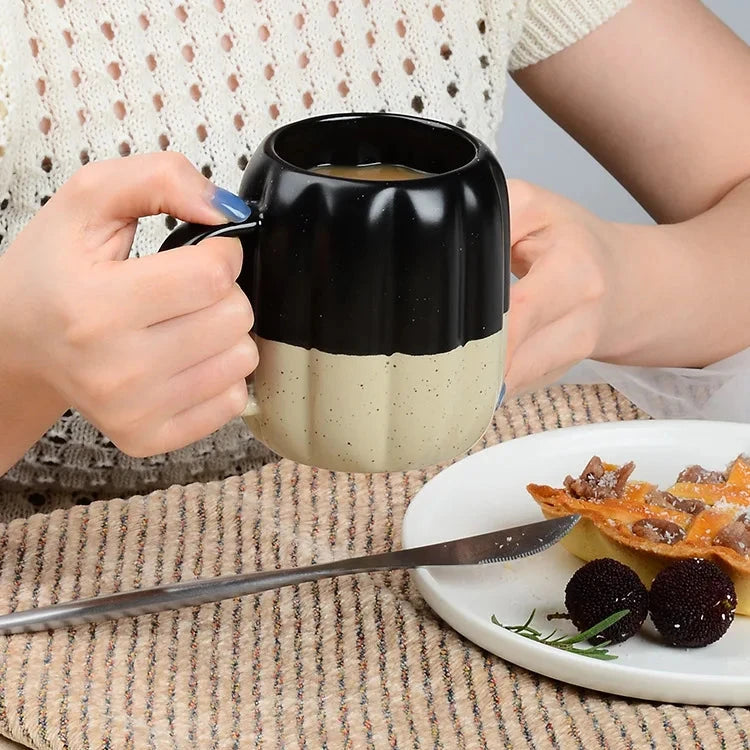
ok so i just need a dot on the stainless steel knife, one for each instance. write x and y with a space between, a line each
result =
496 546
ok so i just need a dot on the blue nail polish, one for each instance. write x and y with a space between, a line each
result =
231 205
501 398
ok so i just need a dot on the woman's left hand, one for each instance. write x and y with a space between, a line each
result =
671 295
561 305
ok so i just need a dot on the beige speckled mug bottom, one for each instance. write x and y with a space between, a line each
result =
374 413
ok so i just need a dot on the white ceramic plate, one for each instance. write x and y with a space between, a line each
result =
486 491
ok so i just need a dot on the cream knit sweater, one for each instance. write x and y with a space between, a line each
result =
84 80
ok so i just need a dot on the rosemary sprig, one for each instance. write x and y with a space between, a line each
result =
568 642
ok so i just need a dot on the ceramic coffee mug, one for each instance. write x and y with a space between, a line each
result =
380 293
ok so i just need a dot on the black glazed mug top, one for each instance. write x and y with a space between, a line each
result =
352 266
426 146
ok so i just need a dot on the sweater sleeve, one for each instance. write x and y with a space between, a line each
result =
8 96
15 59
6 105
552 25
16 82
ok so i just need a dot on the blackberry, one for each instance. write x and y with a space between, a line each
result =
692 603
600 588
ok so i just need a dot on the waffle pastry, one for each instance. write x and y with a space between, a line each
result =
703 514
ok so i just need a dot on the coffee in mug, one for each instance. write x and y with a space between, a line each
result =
377 264
370 171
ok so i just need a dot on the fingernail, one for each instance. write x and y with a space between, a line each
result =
231 206
501 397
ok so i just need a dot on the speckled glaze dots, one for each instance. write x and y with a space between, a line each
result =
375 413
379 301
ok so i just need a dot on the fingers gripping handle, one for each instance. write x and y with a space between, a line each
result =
192 234
247 232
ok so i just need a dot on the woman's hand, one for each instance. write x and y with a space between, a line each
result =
658 296
153 351
673 295
561 304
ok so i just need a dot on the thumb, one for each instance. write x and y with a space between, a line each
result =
532 210
126 189
529 208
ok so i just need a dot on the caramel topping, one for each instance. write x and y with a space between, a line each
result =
736 535
706 513
693 506
598 481
658 530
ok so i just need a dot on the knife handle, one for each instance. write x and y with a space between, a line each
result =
506 544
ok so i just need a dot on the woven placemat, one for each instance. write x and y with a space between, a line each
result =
358 662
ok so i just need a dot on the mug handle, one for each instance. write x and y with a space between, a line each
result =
192 234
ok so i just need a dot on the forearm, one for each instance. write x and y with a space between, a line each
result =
28 405
682 291
28 408
658 95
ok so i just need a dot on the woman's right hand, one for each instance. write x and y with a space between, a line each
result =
153 351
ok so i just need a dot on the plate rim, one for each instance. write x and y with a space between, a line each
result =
526 653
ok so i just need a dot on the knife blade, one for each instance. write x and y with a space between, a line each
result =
496 546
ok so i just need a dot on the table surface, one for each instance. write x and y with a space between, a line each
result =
357 662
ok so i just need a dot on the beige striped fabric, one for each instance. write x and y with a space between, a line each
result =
357 662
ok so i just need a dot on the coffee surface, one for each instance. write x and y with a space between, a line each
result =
376 172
